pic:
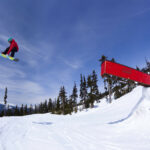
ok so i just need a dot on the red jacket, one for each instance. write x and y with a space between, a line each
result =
12 45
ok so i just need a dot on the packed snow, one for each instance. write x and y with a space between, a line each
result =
122 125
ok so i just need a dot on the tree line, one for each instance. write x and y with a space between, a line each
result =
63 104
82 98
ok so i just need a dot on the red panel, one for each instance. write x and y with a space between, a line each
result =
122 71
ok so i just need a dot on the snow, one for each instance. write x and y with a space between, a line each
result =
122 125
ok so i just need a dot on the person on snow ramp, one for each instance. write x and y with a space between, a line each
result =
13 48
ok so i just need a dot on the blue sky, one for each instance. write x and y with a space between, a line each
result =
60 39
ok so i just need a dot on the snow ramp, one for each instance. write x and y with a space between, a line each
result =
138 107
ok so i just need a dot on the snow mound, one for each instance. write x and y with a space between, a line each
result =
140 107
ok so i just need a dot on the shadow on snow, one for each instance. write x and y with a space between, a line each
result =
42 123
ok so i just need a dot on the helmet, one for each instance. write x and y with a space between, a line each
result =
10 39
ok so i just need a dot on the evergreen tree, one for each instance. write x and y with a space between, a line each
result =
90 91
70 104
45 107
147 68
68 108
5 97
83 92
103 58
31 109
95 86
58 104
74 96
63 99
16 111
113 60
8 111
93 93
41 107
36 109
81 88
50 105
54 104
2 113
137 68
25 110
22 110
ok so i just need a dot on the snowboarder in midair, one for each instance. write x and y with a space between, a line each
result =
13 48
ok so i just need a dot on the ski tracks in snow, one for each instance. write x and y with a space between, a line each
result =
12 133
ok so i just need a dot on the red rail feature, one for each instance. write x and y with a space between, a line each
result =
115 69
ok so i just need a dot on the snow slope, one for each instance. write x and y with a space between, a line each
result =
122 125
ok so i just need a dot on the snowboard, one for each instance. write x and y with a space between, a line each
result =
9 57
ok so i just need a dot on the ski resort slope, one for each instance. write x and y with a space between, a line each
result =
122 125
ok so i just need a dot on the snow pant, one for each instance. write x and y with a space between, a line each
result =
13 51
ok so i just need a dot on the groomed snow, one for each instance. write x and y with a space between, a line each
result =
122 125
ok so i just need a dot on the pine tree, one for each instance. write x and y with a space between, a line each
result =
5 97
58 104
90 91
50 105
95 86
63 99
45 107
16 111
36 109
117 94
137 68
25 110
70 103
81 88
83 93
68 108
31 109
41 107
73 97
54 104
103 58
93 94
22 110
8 111
113 60
2 113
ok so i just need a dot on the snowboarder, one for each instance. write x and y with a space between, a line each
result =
13 48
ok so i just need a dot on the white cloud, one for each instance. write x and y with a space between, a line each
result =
22 91
9 72
74 63
36 54
4 38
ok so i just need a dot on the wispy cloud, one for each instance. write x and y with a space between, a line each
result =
3 38
74 63
141 12
39 52
20 90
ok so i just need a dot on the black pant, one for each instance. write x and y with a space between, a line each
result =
13 51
